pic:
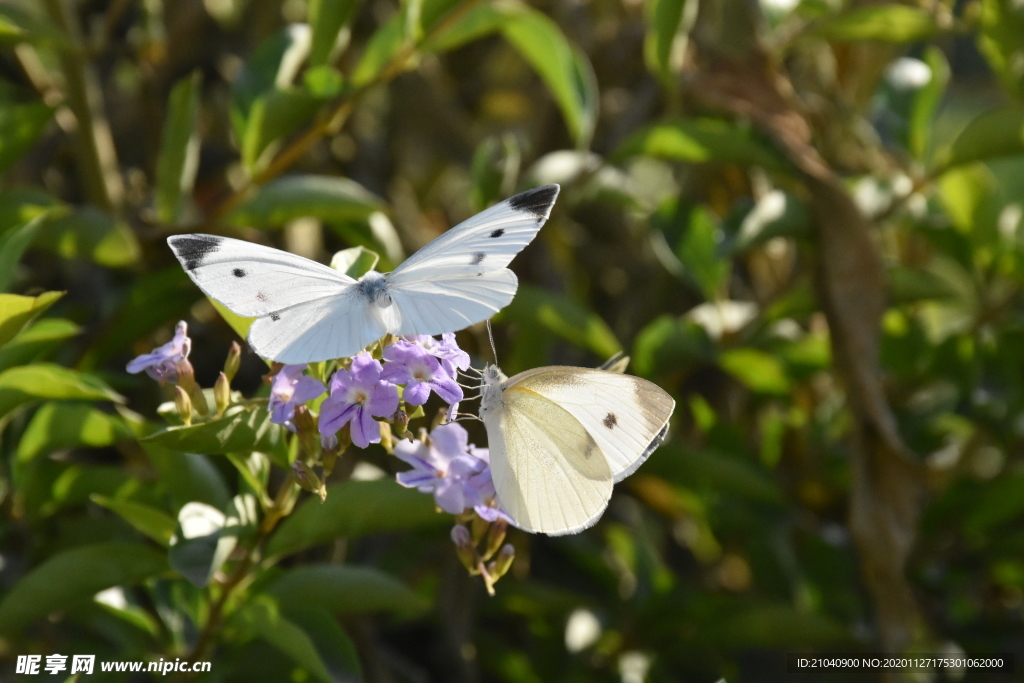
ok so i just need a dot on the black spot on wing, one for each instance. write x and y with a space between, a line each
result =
238 272
192 250
537 202
610 420
498 233
478 258
260 296
275 317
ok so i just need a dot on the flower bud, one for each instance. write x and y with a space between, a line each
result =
184 405
479 528
308 479
234 360
222 393
401 424
495 536
464 548
386 442
503 562
186 375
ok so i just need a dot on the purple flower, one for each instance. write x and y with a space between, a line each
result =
420 372
160 363
455 471
446 350
357 396
290 389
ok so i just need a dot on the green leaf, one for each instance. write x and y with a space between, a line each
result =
35 342
778 626
13 243
273 64
355 262
275 115
963 192
663 20
995 133
26 383
882 23
238 323
246 430
18 25
354 508
480 20
19 205
201 543
760 371
56 426
326 198
261 617
20 127
776 214
327 18
698 252
90 234
384 46
908 285
699 141
564 317
178 160
154 523
926 103
669 344
17 311
565 70
76 575
188 477
1000 502
1001 41
344 590
338 652
323 81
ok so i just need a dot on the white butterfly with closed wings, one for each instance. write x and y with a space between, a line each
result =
308 312
560 437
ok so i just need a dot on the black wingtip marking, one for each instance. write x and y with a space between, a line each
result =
192 250
478 258
537 201
498 233
238 272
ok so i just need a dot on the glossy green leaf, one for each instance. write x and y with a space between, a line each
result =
354 508
562 316
17 311
20 127
247 430
19 385
327 18
188 477
663 19
698 252
926 103
261 617
57 425
19 205
344 590
326 198
670 344
75 575
336 649
201 543
776 214
238 323
908 285
760 371
381 51
273 64
881 23
18 25
1001 41
178 160
323 81
482 19
699 141
355 262
564 69
154 523
90 234
275 115
36 341
13 243
993 134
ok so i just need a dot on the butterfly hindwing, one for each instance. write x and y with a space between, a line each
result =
627 416
549 474
253 280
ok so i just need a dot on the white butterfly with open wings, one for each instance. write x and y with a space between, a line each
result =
561 437
308 312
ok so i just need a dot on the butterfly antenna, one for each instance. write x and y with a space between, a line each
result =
490 335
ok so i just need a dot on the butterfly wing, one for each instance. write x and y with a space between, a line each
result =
626 416
322 329
549 474
461 277
253 280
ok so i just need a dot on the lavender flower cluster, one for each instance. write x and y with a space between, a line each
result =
444 463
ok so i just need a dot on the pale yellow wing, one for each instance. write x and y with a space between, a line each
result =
626 416
549 474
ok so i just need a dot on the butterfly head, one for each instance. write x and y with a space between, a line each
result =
491 380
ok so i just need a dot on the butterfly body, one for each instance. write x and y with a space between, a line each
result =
307 312
561 437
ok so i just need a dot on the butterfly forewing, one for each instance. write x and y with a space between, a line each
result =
549 474
626 416
253 280
434 305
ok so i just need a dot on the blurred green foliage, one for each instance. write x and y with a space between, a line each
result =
682 236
